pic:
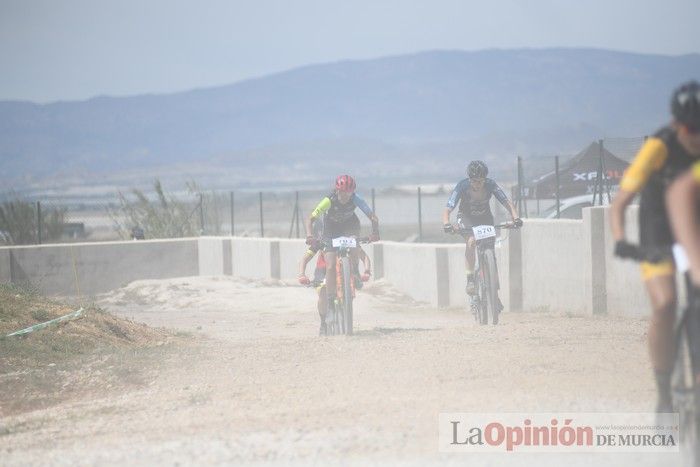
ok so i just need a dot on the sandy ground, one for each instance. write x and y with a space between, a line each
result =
258 385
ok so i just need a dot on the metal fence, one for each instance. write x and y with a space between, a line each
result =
406 213
601 183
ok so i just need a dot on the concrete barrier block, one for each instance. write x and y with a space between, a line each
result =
515 270
412 269
210 255
378 260
595 289
90 268
251 258
503 264
290 254
553 266
457 275
228 257
442 276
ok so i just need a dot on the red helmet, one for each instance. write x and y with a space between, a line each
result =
345 183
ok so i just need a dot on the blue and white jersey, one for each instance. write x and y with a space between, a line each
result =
473 203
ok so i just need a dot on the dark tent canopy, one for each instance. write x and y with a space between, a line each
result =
578 176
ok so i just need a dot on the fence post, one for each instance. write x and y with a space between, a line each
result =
38 221
295 213
297 209
420 218
558 196
262 226
522 204
232 218
201 214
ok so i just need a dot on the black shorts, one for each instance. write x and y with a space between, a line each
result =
331 230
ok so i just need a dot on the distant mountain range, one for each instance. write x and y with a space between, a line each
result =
406 116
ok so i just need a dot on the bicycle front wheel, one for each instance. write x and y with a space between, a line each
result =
346 317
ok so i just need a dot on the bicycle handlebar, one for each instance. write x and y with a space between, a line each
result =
504 225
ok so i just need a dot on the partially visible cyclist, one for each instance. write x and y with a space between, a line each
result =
662 158
683 203
339 219
320 276
473 195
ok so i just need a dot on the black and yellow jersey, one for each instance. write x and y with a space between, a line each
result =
660 160
337 212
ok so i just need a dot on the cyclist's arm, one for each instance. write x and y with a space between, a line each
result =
622 199
364 257
649 159
362 204
452 201
320 209
308 254
505 202
682 204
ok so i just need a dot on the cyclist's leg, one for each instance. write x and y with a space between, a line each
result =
465 223
320 269
330 231
659 281
330 274
308 254
322 304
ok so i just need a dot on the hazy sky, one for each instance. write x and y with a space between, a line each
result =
75 49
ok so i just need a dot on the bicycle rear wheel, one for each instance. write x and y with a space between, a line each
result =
346 317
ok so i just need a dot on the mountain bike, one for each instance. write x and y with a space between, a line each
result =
485 305
685 378
339 316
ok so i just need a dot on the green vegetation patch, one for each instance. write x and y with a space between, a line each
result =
95 352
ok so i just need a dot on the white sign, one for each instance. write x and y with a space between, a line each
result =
483 231
344 242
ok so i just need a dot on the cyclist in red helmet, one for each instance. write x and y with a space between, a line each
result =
339 219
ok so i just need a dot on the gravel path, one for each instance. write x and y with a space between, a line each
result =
259 386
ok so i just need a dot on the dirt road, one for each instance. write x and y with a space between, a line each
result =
257 385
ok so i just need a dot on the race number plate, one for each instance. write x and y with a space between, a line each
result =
680 258
483 231
346 242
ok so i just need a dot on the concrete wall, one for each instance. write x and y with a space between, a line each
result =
251 257
553 265
91 268
558 265
210 257
412 268
290 254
